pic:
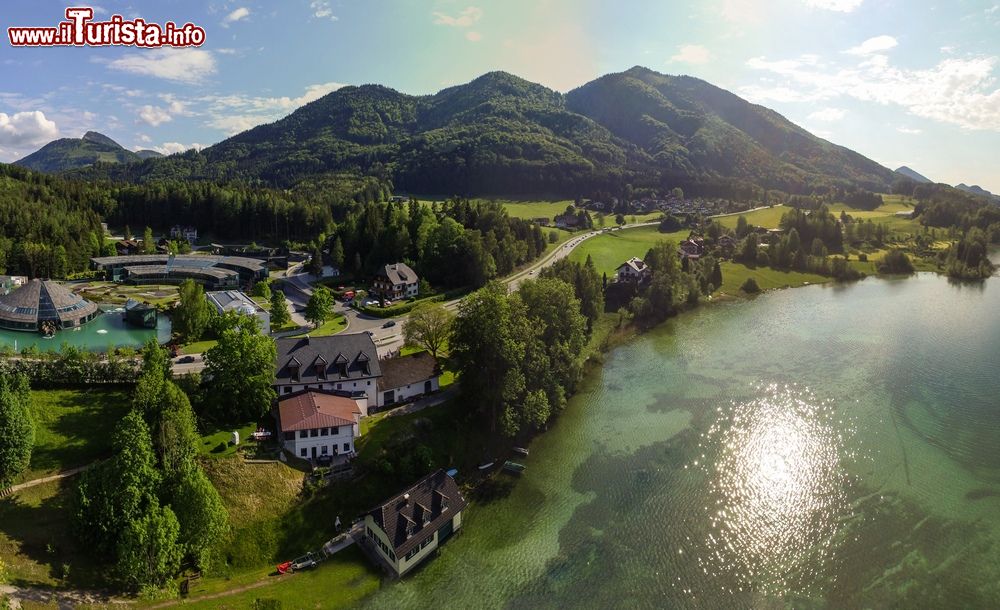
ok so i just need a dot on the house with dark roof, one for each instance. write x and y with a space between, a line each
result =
691 248
633 270
407 377
407 528
315 423
344 362
568 221
396 281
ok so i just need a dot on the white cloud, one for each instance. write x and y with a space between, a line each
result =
144 138
321 10
909 130
154 115
842 6
742 11
828 115
26 129
180 65
873 45
170 148
464 19
473 36
235 113
947 49
960 91
237 15
692 54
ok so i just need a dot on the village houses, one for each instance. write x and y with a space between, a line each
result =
396 281
633 270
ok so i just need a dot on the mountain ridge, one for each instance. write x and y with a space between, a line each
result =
74 153
501 134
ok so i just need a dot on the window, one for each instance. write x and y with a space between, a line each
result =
324 432
335 430
429 540
293 372
289 436
343 370
347 447
303 434
338 385
413 553
320 371
287 390
314 433
324 451
302 452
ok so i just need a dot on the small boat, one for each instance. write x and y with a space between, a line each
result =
520 451
513 467
486 466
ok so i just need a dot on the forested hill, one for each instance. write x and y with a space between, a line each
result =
71 153
502 135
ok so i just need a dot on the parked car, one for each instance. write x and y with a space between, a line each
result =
185 360
306 562
389 324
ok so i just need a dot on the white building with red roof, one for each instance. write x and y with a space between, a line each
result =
317 423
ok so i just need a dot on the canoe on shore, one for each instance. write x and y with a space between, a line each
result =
486 466
520 451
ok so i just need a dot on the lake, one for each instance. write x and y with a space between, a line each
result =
827 446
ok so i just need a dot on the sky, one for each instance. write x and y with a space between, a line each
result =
905 83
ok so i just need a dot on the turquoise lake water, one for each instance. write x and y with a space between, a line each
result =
104 332
822 447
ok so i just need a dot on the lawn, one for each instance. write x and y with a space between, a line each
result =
110 293
340 582
211 442
198 347
73 427
769 218
734 274
529 210
35 538
330 327
611 249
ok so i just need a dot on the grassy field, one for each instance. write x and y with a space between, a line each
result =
609 250
340 582
767 217
734 274
198 347
35 539
73 427
211 442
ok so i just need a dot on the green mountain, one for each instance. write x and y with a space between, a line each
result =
979 191
72 153
503 135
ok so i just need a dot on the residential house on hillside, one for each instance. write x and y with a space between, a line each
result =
692 248
317 423
234 300
568 221
344 362
407 377
10 283
127 247
189 234
396 281
407 528
727 243
633 270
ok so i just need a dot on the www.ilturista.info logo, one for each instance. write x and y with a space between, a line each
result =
80 30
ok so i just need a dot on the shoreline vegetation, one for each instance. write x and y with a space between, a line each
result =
546 339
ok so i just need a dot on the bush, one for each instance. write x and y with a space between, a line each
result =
750 286
863 257
895 261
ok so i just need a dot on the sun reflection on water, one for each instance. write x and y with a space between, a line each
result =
776 489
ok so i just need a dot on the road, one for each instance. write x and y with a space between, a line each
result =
297 286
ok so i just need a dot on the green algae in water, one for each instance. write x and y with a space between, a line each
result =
817 447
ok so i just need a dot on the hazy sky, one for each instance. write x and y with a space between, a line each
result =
912 82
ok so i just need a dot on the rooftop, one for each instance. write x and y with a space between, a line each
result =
43 300
399 273
313 409
416 513
356 351
406 370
